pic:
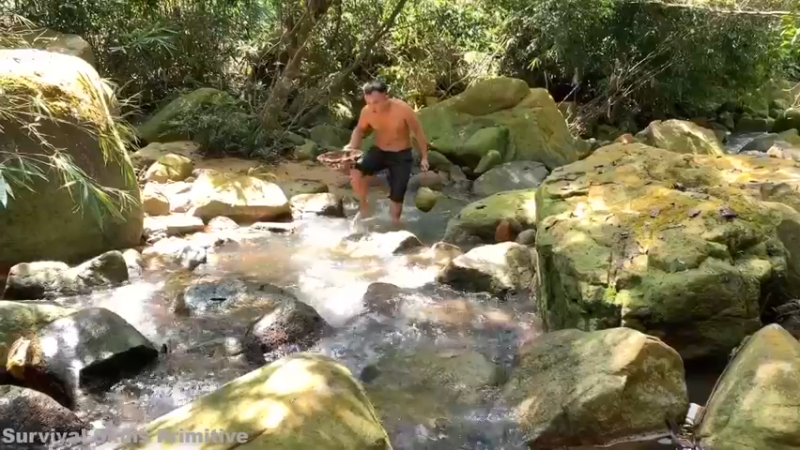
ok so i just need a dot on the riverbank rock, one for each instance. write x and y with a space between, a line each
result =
92 349
303 401
160 227
656 241
66 44
418 385
497 269
41 223
573 388
170 167
19 319
681 137
50 279
322 204
240 197
149 154
510 176
477 222
755 402
502 115
291 327
159 128
188 253
27 411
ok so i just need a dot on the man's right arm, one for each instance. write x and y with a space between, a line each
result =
358 133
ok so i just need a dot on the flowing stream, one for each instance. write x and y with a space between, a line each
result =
199 359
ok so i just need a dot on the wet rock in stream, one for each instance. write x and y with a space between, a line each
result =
291 327
320 204
211 295
91 349
380 245
497 269
51 279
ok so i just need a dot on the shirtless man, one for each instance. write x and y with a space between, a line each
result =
393 121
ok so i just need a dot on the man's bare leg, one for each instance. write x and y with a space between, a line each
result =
360 184
395 210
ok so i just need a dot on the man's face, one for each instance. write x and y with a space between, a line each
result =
376 100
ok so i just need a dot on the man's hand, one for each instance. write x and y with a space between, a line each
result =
423 164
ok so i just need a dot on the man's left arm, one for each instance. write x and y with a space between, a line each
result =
418 132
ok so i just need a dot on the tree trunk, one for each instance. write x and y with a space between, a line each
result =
334 87
301 34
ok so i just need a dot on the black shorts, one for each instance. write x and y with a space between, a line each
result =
398 164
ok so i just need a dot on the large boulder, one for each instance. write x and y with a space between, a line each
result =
93 348
501 115
573 388
303 401
682 137
478 221
41 222
657 241
240 197
159 127
754 404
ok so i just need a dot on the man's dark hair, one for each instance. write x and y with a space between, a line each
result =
375 86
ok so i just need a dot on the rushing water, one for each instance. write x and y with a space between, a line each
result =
201 354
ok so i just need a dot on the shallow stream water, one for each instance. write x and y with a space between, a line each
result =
306 262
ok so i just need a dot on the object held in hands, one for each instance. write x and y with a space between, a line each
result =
339 159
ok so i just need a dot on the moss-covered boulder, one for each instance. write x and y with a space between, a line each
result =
754 404
240 197
500 114
158 128
329 136
41 223
303 401
573 388
426 198
681 137
53 41
656 241
478 221
510 176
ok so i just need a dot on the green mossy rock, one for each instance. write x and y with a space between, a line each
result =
527 127
657 241
480 219
681 137
42 223
300 402
754 404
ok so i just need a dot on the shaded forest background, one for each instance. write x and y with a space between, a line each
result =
291 64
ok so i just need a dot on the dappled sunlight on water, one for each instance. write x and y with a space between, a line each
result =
203 352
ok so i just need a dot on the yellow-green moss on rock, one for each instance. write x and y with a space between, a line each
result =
755 403
690 257
480 219
42 224
19 319
300 402
503 115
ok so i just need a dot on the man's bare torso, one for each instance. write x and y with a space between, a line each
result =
392 133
